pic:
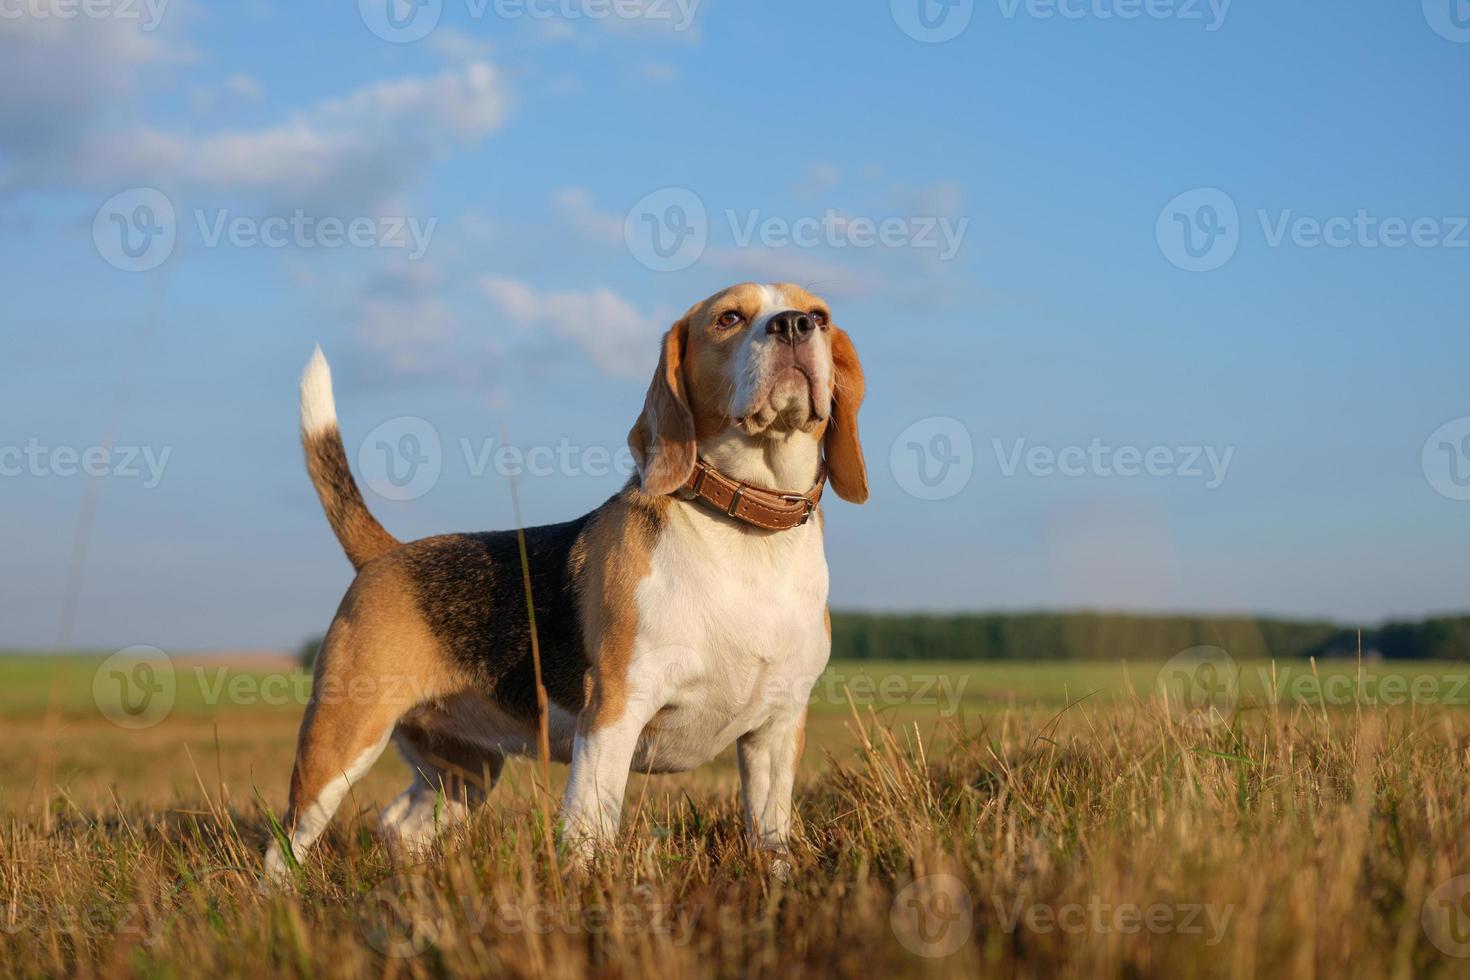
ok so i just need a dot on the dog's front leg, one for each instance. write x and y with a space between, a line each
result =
768 759
593 806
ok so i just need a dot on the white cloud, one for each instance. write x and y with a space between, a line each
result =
245 86
620 340
658 71
409 332
942 199
240 88
456 46
350 153
574 204
68 77
819 178
477 226
73 121
406 330
515 298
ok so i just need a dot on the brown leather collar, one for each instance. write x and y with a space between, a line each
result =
770 510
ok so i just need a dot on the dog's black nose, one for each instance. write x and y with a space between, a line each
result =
791 326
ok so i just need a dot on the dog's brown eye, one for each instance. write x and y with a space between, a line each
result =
731 319
818 317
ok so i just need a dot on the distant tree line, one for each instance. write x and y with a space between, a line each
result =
1111 636
1117 636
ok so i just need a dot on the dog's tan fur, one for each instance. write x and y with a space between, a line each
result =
619 543
406 655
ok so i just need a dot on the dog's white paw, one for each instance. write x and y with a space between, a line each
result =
413 821
276 875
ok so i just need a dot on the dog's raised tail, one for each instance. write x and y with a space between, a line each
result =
362 537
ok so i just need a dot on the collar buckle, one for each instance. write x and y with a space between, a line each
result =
802 499
691 492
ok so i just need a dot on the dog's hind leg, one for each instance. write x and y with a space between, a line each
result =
376 664
451 778
337 748
339 743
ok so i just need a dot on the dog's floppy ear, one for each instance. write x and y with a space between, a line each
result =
662 439
845 466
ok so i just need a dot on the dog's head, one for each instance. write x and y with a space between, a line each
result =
765 360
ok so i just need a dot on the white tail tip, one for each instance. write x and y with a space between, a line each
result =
318 410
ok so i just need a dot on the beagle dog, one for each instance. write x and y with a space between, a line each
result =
686 613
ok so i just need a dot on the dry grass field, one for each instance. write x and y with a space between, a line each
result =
1006 820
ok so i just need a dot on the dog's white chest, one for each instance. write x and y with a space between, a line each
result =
731 631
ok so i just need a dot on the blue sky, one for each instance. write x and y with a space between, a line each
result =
1078 407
